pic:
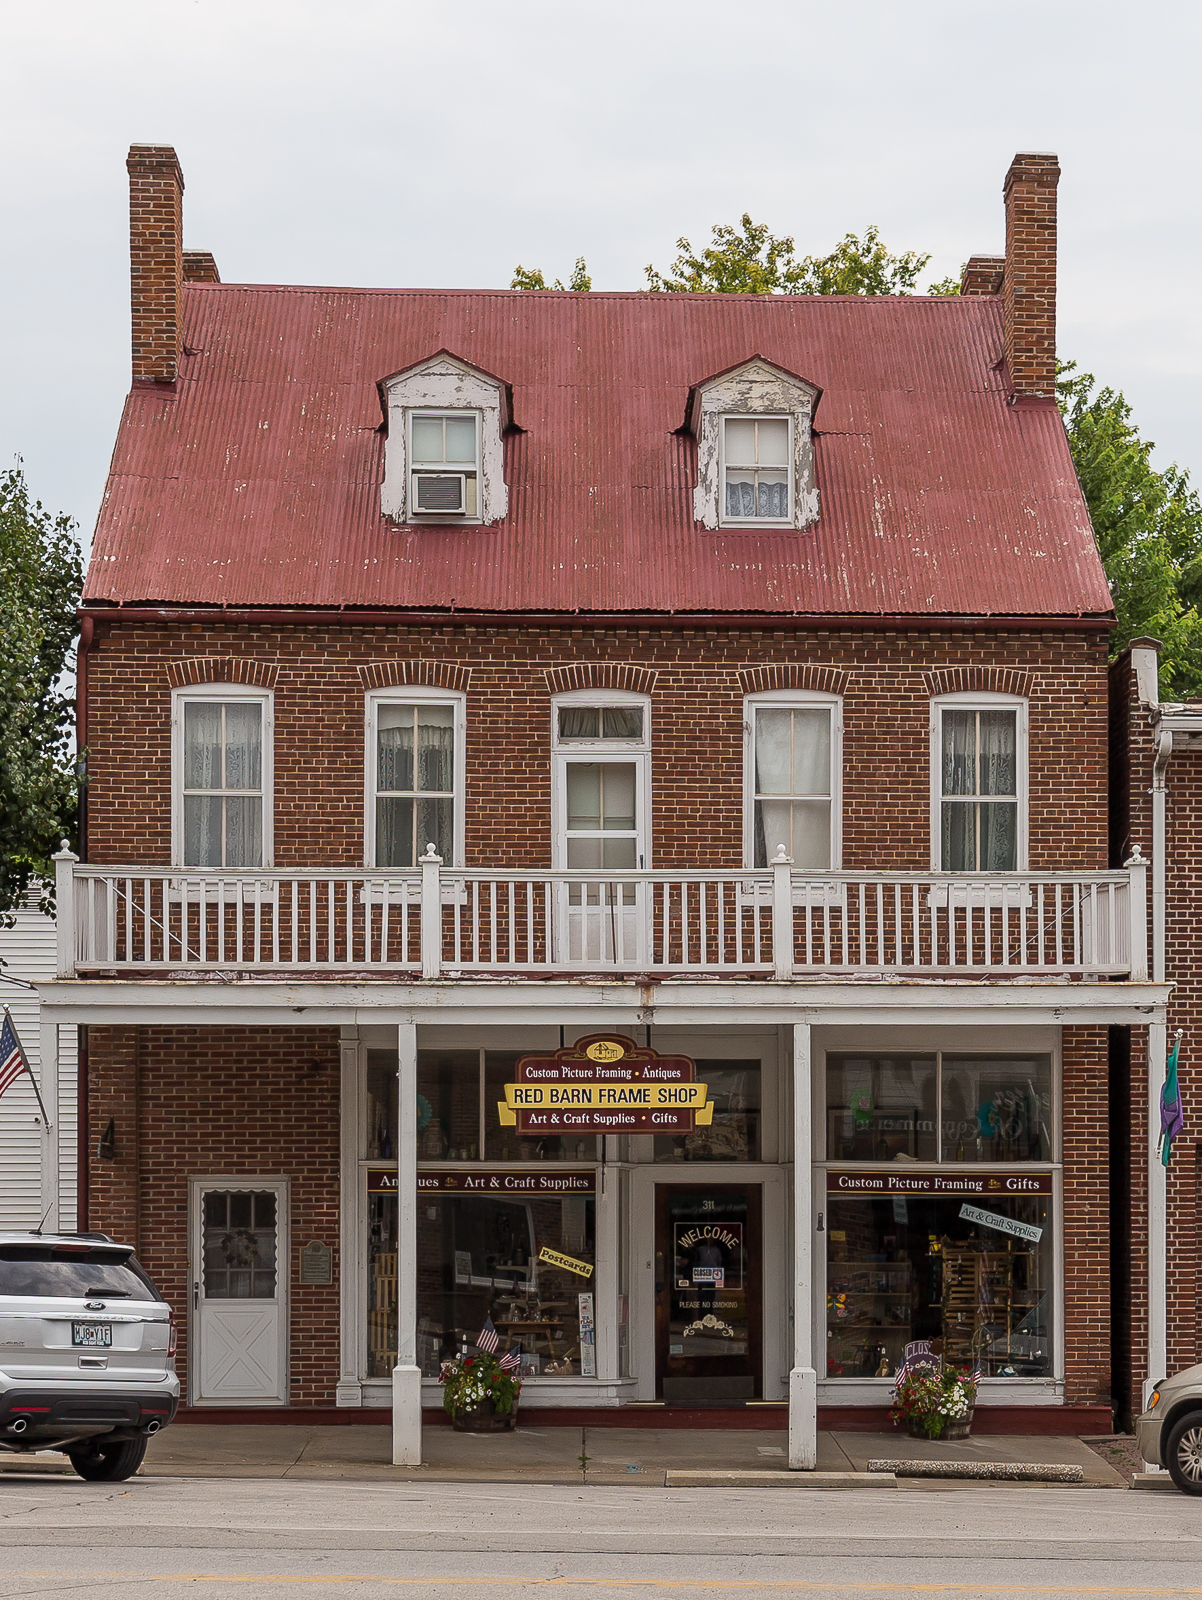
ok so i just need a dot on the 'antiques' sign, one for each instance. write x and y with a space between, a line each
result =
605 1084
475 1180
936 1183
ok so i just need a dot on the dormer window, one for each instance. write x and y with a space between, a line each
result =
755 449
444 451
444 460
756 452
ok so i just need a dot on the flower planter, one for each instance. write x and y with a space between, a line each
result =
953 1428
485 1418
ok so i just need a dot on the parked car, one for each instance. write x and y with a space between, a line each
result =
1169 1432
87 1352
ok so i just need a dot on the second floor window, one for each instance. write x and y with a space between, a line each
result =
980 781
414 759
793 783
223 755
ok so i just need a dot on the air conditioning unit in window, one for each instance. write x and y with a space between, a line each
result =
440 492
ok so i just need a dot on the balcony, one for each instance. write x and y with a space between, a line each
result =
436 922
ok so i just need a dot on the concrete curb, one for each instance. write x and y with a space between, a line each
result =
766 1479
1153 1480
1028 1471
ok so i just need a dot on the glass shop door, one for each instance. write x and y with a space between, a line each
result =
708 1293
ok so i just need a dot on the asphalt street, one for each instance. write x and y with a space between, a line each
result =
168 1537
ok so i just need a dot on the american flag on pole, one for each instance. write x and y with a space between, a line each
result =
13 1061
488 1339
511 1360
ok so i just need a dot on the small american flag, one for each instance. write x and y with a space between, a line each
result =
511 1360
12 1057
488 1339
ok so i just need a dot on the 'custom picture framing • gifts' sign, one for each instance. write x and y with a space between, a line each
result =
605 1083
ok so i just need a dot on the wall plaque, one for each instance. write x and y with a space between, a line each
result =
317 1263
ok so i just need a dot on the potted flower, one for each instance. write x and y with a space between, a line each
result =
480 1394
935 1401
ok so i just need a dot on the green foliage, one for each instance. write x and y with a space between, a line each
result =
947 286
41 573
752 260
1148 526
469 1381
532 278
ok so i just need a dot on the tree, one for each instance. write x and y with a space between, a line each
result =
1148 525
752 260
41 574
532 278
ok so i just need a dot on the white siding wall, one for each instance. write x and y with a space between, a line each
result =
28 952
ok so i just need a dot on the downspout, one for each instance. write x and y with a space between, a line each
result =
1160 765
1158 1318
87 630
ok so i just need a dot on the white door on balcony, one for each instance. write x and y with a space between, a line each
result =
603 919
239 1312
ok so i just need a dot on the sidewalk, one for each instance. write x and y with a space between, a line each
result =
648 1456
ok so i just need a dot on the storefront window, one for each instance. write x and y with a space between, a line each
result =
381 1105
448 1105
970 1271
505 1143
734 1133
939 1107
381 1283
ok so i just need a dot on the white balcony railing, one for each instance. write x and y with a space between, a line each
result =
435 921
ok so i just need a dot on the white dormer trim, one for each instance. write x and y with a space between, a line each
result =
756 388
444 383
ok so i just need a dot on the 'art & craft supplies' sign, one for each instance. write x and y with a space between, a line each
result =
605 1084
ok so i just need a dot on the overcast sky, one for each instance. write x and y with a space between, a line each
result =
437 144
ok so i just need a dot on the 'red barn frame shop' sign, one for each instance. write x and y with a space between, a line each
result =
605 1083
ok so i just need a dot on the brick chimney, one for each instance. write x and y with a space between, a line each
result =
1029 278
982 275
156 252
200 266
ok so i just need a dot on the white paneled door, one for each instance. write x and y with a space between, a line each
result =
239 1322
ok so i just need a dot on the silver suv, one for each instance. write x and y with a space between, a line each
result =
87 1352
1170 1430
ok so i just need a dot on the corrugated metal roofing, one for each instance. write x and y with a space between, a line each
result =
256 482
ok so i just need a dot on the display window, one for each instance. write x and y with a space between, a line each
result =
519 1248
734 1132
939 1107
965 1262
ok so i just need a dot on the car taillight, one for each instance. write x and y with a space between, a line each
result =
172 1334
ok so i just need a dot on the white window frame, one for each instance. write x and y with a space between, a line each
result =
600 750
407 695
240 694
447 469
789 469
980 702
801 700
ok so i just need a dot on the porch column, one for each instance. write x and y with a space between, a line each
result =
406 1375
803 1381
48 1083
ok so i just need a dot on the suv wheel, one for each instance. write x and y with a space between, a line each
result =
110 1463
1183 1457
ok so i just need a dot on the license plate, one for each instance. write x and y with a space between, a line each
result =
91 1334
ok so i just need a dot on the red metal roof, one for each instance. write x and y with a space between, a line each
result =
256 482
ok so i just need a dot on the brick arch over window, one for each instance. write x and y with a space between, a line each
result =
432 674
793 675
979 680
601 675
223 669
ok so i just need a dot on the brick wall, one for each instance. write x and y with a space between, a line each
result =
319 676
1131 825
222 1102
1086 1216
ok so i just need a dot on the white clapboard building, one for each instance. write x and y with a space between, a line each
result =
27 951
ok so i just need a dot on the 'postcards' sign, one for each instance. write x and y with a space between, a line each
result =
939 1183
605 1084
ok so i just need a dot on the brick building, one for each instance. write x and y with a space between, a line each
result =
597 817
1156 807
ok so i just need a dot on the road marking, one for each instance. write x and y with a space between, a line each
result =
693 1585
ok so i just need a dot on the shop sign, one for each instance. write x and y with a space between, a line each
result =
991 1219
605 1084
475 1180
553 1258
1000 1185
